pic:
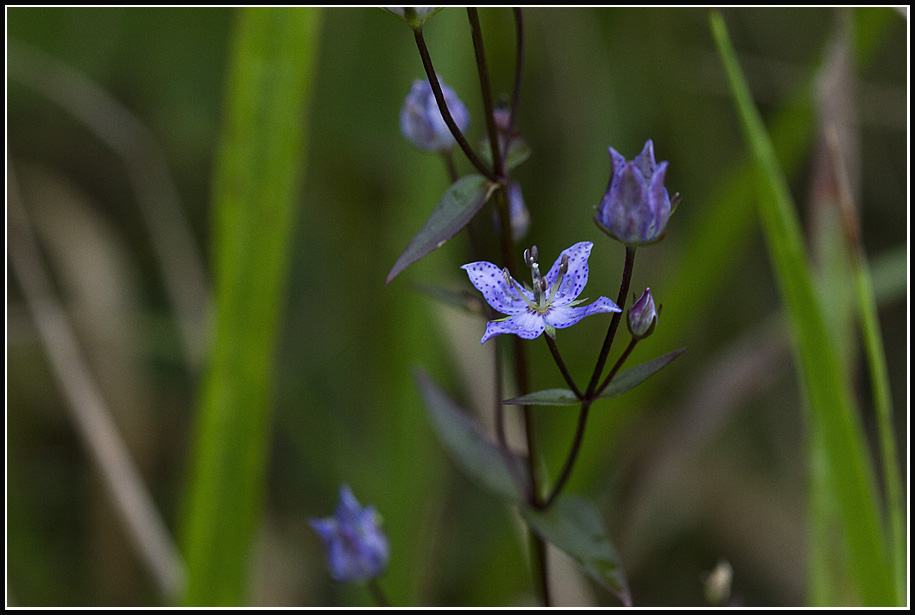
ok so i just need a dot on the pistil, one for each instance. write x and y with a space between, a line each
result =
563 269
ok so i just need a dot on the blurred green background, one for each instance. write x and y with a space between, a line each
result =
704 462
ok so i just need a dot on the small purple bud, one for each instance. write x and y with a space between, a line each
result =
518 215
502 116
636 206
643 316
357 549
414 16
513 149
421 121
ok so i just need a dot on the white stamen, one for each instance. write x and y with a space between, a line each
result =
510 283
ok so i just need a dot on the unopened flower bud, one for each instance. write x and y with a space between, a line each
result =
643 316
421 121
636 206
414 16
502 117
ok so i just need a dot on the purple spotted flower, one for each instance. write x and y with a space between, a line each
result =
636 206
357 550
421 121
552 303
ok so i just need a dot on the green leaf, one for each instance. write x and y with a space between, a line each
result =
518 152
832 414
455 209
260 159
481 459
546 397
574 525
631 378
621 383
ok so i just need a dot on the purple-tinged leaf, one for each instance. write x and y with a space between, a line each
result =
454 210
480 458
575 526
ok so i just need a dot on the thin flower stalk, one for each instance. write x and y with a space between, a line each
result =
440 99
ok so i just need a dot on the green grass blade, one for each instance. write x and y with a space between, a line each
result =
259 161
883 405
832 413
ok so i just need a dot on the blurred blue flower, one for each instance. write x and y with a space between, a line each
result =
636 206
421 121
552 303
643 316
357 550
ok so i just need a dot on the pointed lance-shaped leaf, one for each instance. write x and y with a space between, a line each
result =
481 459
573 525
455 209
635 376
621 383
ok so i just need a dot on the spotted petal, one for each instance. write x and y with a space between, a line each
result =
490 281
573 282
526 324
565 316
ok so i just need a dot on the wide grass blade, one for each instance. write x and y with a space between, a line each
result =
832 416
260 159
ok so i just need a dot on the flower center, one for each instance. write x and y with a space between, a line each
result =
543 295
